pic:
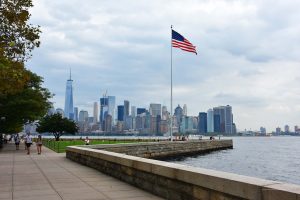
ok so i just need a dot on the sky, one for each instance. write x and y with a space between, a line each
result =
248 55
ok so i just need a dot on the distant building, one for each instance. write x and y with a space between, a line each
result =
153 124
297 129
126 108
210 121
217 123
164 126
195 123
103 108
120 126
141 110
164 113
95 116
186 124
140 122
121 113
226 119
76 114
128 122
83 116
155 109
263 131
234 130
108 123
202 122
133 111
178 114
286 129
69 110
90 120
220 123
184 110
278 131
107 107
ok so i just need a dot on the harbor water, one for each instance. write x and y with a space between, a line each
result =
272 158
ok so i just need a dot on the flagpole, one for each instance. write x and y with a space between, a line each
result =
171 112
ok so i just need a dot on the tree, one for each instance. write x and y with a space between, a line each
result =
22 98
26 105
17 40
13 76
17 37
57 125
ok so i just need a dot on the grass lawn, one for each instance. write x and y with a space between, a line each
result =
60 146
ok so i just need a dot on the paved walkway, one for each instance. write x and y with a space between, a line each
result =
50 176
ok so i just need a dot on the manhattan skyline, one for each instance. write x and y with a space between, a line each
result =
247 55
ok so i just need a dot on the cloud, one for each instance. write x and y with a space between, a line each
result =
248 54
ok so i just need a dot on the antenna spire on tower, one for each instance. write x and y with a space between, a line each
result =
70 74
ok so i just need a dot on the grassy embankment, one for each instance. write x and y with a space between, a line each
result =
60 146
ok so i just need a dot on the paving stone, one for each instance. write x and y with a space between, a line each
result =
51 176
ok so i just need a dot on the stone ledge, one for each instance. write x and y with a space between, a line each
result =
199 182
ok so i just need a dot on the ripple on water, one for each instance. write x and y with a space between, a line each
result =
272 158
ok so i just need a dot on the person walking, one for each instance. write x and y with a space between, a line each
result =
17 141
23 140
28 142
39 144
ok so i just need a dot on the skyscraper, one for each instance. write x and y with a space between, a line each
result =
220 111
95 113
165 113
178 113
121 113
210 121
286 128
107 107
103 108
226 119
83 116
155 109
76 114
184 110
126 108
202 122
133 111
69 110
217 123
141 110
112 108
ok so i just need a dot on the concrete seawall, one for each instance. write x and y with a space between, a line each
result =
161 150
175 181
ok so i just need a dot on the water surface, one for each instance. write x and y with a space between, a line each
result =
272 158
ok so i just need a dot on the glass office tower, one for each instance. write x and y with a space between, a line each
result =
69 110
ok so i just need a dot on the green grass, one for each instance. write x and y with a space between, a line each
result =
60 146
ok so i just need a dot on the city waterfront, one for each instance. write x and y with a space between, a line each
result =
272 158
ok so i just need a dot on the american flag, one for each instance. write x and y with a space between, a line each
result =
178 41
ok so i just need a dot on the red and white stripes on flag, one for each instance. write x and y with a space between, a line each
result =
178 41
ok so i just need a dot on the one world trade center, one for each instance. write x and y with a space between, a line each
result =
69 110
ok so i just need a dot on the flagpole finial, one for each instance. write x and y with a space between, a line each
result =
171 26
